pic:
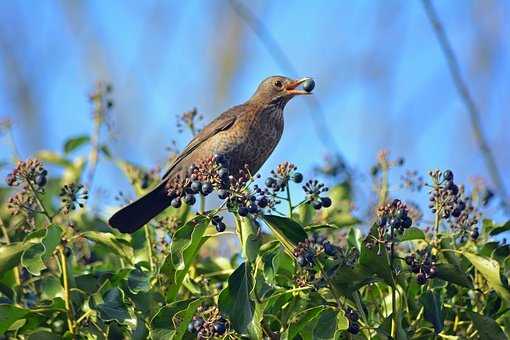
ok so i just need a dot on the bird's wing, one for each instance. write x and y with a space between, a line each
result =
222 123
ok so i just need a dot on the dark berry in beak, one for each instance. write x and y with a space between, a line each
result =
309 85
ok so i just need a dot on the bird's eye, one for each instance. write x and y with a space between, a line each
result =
278 84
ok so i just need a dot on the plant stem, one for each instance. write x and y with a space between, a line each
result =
289 200
149 247
67 298
40 203
202 204
330 284
394 287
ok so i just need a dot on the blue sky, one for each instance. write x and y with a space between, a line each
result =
380 77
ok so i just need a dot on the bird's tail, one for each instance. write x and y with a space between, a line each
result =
135 215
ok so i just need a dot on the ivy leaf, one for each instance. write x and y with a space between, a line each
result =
490 270
412 233
163 324
10 255
251 243
10 314
433 312
33 258
451 273
116 245
75 142
185 316
487 327
138 280
287 231
326 325
186 243
235 301
304 319
113 307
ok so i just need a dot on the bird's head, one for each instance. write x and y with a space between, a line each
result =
279 89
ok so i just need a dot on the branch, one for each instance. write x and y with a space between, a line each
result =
467 99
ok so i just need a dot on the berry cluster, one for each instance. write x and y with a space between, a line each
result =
30 172
209 323
313 189
73 196
394 216
353 317
279 179
445 196
423 265
307 251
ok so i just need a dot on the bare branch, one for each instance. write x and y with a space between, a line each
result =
467 99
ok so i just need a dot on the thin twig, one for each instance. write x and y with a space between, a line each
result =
318 118
467 99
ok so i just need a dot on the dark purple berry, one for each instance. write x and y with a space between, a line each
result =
223 173
220 227
262 202
409 260
448 175
301 260
216 219
329 249
326 202
407 222
415 268
219 328
190 199
197 322
41 180
309 257
298 177
253 208
353 328
176 202
196 186
207 188
421 279
316 204
243 211
309 85
270 182
222 194
432 272
191 328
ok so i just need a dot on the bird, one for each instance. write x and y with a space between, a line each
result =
244 136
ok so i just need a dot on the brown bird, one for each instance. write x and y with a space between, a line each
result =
244 135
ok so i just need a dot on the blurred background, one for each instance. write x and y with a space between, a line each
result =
382 81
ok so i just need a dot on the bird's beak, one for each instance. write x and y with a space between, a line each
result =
291 87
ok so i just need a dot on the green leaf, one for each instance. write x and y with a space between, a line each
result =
139 280
235 300
490 270
186 243
185 317
54 158
113 307
500 229
326 325
10 314
433 312
287 231
488 329
33 258
75 142
116 245
301 320
451 273
412 233
251 243
164 323
10 255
